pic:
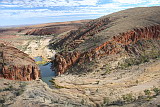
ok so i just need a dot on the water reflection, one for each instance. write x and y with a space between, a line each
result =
46 71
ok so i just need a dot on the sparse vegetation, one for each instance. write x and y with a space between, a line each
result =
9 88
106 101
156 90
82 101
128 98
108 69
19 92
147 92
3 99
145 57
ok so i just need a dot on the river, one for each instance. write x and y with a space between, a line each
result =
46 71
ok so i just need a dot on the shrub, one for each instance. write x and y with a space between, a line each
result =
147 92
2 100
9 88
19 92
106 101
128 97
156 90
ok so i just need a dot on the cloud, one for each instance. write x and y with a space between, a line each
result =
50 3
45 13
22 9
129 1
71 8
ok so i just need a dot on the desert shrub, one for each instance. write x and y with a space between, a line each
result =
156 90
106 101
82 101
145 57
23 84
118 102
147 92
2 100
128 97
9 88
19 92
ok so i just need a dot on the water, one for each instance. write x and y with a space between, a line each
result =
38 58
46 71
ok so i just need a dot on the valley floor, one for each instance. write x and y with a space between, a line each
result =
132 87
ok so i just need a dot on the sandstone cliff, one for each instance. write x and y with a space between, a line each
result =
130 33
16 65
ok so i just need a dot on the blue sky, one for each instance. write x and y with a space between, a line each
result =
21 12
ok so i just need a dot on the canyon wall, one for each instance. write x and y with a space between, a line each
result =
16 65
116 33
114 45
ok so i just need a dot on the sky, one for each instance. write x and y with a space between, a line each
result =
24 12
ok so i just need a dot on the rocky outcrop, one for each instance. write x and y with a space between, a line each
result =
109 36
16 65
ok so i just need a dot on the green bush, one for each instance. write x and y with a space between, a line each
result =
19 92
156 90
128 97
147 92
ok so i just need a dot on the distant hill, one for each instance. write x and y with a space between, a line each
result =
42 29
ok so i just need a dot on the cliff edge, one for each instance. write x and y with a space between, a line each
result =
16 65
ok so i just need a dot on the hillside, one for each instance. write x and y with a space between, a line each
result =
132 33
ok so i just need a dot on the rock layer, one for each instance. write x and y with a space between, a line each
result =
16 65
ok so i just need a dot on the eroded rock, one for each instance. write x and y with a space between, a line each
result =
16 65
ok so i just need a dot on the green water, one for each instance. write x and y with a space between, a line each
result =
46 72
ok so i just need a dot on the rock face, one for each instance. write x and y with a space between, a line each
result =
122 32
16 65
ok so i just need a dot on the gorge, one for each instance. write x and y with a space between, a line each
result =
112 61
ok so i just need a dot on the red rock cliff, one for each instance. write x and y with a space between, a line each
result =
16 65
65 60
